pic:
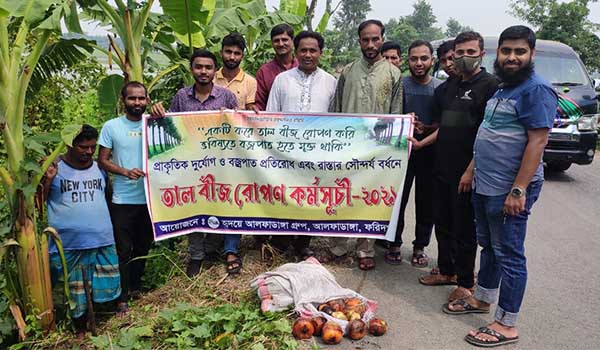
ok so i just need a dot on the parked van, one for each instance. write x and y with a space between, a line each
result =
573 137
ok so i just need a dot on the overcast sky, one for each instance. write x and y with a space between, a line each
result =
489 17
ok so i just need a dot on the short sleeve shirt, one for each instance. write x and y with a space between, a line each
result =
459 112
502 137
77 208
124 138
419 99
243 86
185 100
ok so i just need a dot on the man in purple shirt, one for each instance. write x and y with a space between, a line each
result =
204 96
282 36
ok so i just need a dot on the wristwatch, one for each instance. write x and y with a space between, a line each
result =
517 192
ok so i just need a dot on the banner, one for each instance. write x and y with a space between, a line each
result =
299 174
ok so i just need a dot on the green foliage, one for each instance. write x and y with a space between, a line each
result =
453 28
566 22
222 327
109 93
162 264
343 40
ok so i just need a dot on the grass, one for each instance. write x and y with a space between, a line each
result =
211 311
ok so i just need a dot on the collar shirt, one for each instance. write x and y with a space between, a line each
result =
502 137
368 88
185 100
243 85
264 80
296 91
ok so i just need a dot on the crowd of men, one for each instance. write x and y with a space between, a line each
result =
475 162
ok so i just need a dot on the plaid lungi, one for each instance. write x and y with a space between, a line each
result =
102 268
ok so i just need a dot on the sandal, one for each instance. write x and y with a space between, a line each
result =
233 266
419 259
122 309
500 338
438 280
366 264
467 308
460 293
393 258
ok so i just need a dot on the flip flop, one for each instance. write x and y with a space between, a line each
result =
233 266
393 258
467 308
500 338
416 257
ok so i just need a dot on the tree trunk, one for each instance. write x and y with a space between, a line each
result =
33 266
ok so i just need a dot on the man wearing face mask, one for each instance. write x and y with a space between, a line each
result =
459 110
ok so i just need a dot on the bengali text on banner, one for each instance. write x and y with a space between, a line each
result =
275 174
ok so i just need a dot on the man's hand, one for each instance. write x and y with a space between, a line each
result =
464 185
157 110
514 205
134 174
255 108
51 172
416 144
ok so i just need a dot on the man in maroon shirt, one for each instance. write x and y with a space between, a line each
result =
282 36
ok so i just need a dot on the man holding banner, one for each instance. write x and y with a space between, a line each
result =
368 85
306 88
204 95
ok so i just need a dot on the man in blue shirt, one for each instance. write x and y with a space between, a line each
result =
74 188
418 95
508 176
121 154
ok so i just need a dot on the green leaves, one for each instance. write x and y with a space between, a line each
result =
108 93
68 134
189 19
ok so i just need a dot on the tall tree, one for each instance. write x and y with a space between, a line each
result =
566 22
343 40
423 20
453 28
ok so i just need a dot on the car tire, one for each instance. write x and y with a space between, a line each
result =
558 165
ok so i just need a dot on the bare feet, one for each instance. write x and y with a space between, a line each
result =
438 280
122 309
508 332
460 293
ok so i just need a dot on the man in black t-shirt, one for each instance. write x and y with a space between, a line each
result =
460 105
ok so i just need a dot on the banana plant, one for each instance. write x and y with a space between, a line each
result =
27 29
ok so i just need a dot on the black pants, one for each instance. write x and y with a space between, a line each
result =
133 237
298 242
455 232
419 169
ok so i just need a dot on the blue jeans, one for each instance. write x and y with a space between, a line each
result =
232 242
503 266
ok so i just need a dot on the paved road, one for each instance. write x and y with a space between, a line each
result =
561 309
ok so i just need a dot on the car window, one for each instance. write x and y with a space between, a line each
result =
556 69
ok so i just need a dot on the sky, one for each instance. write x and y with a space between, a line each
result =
488 17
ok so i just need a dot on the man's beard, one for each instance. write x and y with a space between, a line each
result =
135 111
231 64
367 53
516 77
425 73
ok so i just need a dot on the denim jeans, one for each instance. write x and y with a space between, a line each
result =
232 243
503 266
201 245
